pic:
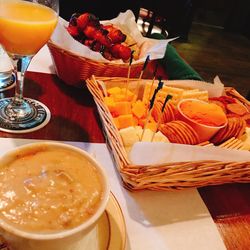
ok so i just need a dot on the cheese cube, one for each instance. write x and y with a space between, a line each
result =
129 136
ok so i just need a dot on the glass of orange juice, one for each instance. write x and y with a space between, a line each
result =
25 27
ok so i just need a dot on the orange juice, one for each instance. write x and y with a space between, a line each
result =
24 26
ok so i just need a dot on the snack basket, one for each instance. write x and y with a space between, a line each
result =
74 69
166 176
74 62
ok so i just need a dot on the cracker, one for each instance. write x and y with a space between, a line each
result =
156 111
241 128
218 137
181 132
190 132
164 128
171 111
228 131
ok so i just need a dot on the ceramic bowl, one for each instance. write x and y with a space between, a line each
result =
205 132
66 239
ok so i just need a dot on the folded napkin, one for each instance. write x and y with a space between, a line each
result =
174 65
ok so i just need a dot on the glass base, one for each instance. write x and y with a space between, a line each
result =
7 83
37 118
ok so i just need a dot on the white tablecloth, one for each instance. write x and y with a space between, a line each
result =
155 220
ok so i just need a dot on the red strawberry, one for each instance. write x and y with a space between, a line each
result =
73 19
108 27
94 45
88 42
125 52
87 19
97 46
116 36
102 38
97 34
115 51
120 51
89 32
82 21
106 54
73 31
94 21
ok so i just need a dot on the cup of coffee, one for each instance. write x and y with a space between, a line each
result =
51 196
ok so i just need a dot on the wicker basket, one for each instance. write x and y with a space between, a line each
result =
74 69
169 176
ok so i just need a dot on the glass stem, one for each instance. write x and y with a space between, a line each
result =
21 64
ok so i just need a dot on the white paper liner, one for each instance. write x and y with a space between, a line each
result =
141 153
153 47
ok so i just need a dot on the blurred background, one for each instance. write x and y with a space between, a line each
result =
213 35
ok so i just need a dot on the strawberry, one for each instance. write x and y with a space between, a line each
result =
125 52
94 45
94 21
87 19
116 36
103 39
97 46
82 21
106 54
73 19
97 34
89 32
115 51
120 51
88 42
73 31
108 27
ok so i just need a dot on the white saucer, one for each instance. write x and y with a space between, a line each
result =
110 231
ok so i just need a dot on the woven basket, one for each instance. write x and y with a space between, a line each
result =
74 69
168 176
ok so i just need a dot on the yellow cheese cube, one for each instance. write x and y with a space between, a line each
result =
125 121
122 108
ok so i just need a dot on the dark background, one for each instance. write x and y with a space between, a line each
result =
214 35
177 15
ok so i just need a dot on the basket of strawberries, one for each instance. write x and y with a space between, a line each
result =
85 46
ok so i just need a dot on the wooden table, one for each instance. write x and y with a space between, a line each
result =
75 118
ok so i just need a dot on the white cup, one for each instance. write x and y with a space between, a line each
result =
69 239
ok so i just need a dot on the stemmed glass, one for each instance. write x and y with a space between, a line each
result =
25 26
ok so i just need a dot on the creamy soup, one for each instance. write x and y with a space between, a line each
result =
49 189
